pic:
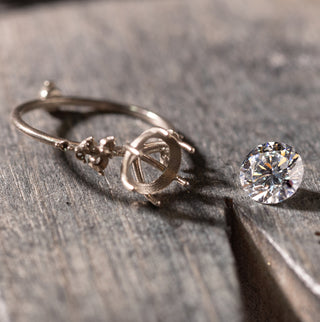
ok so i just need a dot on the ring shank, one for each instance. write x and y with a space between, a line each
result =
96 105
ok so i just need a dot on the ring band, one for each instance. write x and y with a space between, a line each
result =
160 139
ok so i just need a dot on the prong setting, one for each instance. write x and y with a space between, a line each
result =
155 140
96 155
160 139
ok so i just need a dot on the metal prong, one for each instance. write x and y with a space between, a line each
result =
132 150
187 147
182 181
140 177
156 202
176 135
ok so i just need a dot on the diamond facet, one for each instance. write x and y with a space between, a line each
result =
271 173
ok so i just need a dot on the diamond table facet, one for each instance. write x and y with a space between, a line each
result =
271 173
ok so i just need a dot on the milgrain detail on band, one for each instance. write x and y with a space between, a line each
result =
160 140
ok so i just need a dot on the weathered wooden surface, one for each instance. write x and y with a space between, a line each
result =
78 247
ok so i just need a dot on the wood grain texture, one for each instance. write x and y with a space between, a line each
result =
230 75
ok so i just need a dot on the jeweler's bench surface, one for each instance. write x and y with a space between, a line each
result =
75 246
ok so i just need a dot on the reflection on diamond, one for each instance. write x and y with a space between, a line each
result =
271 173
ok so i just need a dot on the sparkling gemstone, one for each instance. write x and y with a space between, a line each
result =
271 173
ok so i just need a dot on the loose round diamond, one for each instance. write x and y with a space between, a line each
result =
271 173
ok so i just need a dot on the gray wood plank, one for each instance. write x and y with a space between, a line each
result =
285 271
75 246
78 247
